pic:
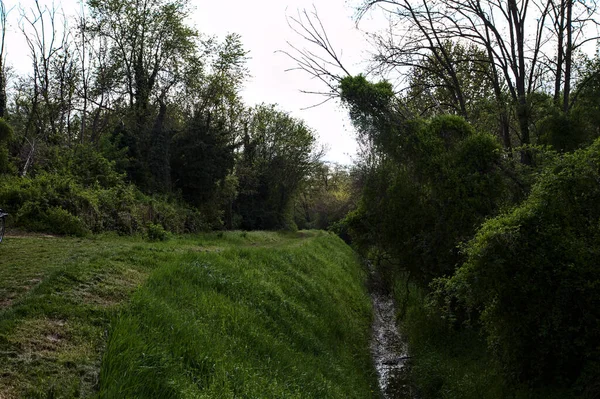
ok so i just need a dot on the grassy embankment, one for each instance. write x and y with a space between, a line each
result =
239 314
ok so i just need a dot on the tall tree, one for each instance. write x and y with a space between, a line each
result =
3 19
522 39
203 151
45 98
149 43
279 153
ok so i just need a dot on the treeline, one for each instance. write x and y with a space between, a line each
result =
129 118
480 188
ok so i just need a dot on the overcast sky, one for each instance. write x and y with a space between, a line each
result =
264 30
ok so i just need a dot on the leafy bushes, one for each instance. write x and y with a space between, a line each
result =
155 232
6 133
419 210
59 204
532 277
52 220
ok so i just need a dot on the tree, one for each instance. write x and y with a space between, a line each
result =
515 35
203 151
326 196
202 157
531 277
279 153
430 92
149 41
149 44
45 99
3 18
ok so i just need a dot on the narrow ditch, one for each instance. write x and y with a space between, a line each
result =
389 351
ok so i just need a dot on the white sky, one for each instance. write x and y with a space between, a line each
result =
264 30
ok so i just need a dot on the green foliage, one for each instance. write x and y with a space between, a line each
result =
90 168
564 132
279 154
202 156
448 362
32 216
420 210
325 197
6 134
531 276
432 91
371 110
367 101
60 204
155 232
6 131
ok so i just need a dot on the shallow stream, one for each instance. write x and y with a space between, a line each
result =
388 350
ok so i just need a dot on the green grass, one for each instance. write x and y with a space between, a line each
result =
278 322
212 315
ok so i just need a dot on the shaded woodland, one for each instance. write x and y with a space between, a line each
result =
129 117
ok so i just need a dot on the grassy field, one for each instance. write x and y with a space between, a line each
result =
215 315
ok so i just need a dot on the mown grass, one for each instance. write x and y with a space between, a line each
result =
56 300
453 363
198 301
277 322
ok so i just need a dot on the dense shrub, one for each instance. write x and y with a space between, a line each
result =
532 277
155 232
6 133
420 210
59 204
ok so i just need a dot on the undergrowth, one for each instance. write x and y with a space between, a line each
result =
450 362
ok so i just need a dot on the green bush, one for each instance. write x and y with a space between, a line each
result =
420 210
155 232
6 131
532 277
52 220
122 208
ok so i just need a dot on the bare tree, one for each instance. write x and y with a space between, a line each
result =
52 82
3 25
572 23
321 61
518 37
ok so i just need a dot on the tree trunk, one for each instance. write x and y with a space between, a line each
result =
505 130
560 52
2 90
568 56
523 117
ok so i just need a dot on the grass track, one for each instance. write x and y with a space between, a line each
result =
233 315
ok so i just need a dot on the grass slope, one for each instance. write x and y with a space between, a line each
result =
214 315
277 322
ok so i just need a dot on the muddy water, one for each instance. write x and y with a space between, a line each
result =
388 350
